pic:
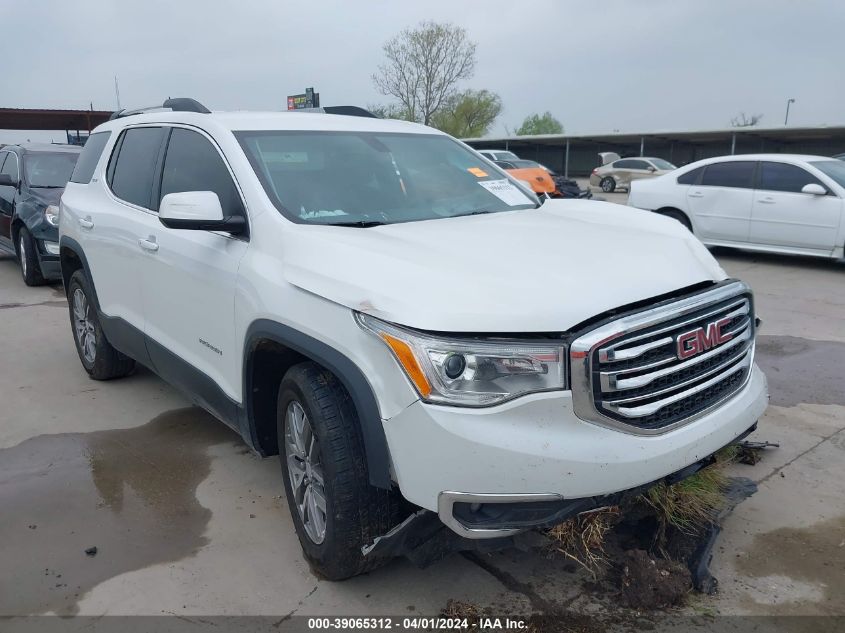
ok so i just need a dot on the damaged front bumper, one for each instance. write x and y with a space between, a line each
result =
488 522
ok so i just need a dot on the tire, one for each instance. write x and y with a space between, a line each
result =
98 357
355 512
28 259
607 184
680 217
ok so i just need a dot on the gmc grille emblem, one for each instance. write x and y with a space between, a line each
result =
701 339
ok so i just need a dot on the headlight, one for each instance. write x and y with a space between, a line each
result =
51 214
471 372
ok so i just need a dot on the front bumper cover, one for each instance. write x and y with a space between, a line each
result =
481 516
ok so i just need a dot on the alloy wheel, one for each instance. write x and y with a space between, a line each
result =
22 253
85 335
305 471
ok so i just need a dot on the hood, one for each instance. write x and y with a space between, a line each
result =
45 197
539 179
540 270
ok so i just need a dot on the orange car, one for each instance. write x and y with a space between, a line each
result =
532 173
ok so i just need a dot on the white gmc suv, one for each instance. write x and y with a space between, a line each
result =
437 359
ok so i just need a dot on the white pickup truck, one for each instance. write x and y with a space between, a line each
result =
434 355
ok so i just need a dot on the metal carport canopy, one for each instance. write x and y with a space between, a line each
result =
731 135
31 119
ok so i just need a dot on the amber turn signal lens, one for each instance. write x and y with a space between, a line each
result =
409 362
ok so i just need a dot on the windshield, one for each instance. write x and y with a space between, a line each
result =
363 178
662 164
833 168
46 169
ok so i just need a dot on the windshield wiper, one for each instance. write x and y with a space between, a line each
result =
47 186
363 224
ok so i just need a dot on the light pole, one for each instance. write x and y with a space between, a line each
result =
786 118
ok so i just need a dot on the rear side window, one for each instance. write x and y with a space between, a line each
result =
132 166
89 157
783 177
737 174
624 164
193 164
691 177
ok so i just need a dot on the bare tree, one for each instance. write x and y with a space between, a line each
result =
423 66
746 121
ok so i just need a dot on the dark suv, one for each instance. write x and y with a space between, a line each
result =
32 179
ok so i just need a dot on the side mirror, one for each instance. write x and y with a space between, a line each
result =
652 168
6 181
197 211
814 189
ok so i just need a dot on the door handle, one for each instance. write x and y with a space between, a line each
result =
766 200
148 244
696 194
86 223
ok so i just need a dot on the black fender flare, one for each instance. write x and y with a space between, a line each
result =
71 244
349 374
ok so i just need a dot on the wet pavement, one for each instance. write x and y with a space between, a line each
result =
187 521
129 493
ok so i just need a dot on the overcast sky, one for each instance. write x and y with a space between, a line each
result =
597 66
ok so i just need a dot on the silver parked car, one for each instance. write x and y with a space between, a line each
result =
617 172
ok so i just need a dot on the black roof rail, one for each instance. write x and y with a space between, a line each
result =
177 104
346 110
349 110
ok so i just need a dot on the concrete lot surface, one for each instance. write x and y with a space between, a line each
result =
187 521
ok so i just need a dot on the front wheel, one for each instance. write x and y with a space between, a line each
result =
28 258
334 508
99 358
607 184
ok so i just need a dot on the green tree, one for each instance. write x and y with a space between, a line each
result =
422 67
540 124
468 114
390 111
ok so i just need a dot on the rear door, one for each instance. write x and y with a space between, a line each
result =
784 216
189 279
111 224
721 201
640 169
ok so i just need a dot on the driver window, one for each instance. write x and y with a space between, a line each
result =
194 164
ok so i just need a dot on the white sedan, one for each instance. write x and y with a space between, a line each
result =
783 203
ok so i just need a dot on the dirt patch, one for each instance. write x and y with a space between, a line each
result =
815 555
130 493
802 371
652 583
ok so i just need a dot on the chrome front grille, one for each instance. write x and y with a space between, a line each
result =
636 375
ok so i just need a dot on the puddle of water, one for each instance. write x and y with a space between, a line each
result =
802 371
131 493
813 555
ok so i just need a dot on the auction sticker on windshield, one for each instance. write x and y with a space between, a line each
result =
505 191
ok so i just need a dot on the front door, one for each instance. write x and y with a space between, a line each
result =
8 166
784 216
189 280
721 203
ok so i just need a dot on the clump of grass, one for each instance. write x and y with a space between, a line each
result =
460 609
689 505
582 537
